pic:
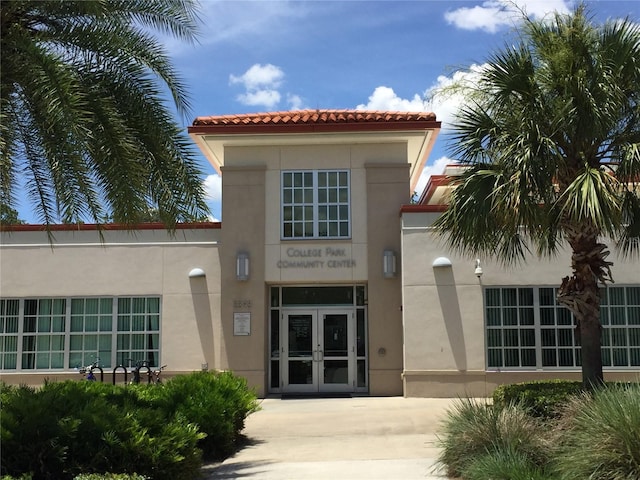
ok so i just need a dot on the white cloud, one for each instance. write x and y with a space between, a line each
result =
440 98
261 84
492 15
259 76
435 168
266 98
444 100
295 102
212 185
384 98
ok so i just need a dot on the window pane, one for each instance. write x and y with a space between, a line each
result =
509 296
493 297
525 296
510 316
547 296
494 338
548 337
547 316
616 296
528 357
527 337
526 316
548 357
495 358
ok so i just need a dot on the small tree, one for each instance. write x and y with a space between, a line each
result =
551 135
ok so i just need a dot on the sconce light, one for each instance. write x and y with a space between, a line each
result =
196 273
441 262
242 266
478 270
389 264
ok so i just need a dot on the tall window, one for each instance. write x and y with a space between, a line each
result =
9 321
138 330
316 204
43 333
66 333
91 331
526 328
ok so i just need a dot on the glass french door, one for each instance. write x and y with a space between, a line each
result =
318 350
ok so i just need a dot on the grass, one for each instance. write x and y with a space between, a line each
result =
595 437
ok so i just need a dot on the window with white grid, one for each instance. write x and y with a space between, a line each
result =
316 204
527 328
67 333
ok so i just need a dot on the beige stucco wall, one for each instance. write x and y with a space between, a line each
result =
243 213
379 176
443 313
151 262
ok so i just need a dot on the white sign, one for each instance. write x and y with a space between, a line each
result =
242 323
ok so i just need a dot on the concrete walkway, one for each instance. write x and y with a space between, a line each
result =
338 438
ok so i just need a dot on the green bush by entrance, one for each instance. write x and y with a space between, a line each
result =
65 429
589 435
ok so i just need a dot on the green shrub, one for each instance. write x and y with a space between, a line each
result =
110 476
504 463
70 428
472 429
601 436
218 402
542 398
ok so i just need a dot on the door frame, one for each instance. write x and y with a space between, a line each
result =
317 356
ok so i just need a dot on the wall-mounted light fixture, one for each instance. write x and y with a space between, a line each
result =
389 264
478 270
441 262
242 266
196 272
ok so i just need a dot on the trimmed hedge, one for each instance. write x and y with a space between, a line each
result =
542 399
65 429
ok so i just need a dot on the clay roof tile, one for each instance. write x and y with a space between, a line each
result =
317 116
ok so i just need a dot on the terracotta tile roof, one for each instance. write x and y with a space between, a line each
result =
309 117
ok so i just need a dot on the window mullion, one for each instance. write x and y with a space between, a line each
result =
114 331
316 207
538 330
67 333
20 334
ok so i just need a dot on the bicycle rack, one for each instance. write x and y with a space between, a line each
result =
113 375
101 372
136 373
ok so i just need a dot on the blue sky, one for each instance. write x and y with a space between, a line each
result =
258 56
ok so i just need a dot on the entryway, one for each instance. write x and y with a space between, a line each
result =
318 350
318 340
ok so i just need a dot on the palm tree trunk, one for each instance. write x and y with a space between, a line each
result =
581 294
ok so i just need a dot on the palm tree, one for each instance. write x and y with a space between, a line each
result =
551 138
84 121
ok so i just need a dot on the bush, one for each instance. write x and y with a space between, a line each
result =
72 428
543 399
504 463
601 438
472 429
110 476
218 402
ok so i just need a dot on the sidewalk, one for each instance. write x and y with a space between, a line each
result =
338 438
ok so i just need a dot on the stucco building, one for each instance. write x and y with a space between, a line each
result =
321 277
